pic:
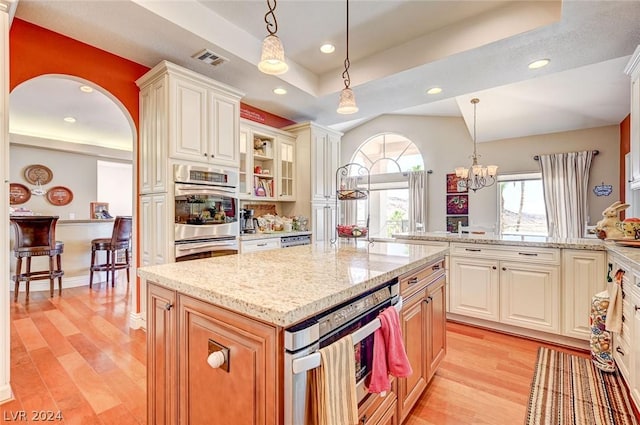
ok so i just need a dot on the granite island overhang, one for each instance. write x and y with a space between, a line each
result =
283 287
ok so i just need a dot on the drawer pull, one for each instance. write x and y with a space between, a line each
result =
218 357
168 306
494 267
473 249
623 318
261 244
529 254
504 269
413 280
619 350
636 307
436 267
623 295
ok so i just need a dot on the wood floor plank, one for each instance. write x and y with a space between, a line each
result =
59 320
29 334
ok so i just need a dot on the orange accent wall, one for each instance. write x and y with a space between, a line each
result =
625 148
258 115
35 51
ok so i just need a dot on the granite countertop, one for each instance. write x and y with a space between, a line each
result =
629 253
285 286
491 239
272 235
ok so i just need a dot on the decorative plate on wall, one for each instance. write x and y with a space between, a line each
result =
38 174
59 195
18 194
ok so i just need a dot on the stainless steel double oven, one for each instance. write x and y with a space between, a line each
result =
206 212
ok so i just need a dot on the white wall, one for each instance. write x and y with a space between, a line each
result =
446 143
76 171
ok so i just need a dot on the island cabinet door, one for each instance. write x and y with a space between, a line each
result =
475 288
437 326
413 322
162 376
244 389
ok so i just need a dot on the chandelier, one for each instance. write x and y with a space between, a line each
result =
477 176
347 103
272 57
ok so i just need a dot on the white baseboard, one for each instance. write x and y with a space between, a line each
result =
67 282
521 332
138 321
5 393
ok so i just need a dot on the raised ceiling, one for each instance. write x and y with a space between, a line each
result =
398 49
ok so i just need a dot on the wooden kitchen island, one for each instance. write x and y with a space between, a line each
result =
244 303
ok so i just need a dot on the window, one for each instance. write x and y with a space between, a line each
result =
388 157
115 186
521 208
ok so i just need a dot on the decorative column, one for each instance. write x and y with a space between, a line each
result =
7 9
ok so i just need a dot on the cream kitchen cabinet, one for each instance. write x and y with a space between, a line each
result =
517 287
323 217
267 163
255 245
583 276
197 116
154 135
317 159
154 230
633 70
634 382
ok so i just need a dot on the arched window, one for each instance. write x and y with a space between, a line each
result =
389 153
390 158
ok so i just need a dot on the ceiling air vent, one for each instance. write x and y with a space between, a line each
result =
208 57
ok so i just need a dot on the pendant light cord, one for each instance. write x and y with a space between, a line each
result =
271 13
475 103
347 64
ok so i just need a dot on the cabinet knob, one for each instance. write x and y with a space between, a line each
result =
504 269
636 307
494 267
205 155
619 350
218 357
168 306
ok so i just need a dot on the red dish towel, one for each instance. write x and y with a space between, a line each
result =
389 355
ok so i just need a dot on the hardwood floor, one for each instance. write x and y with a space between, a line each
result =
76 355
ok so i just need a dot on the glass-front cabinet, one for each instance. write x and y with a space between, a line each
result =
267 163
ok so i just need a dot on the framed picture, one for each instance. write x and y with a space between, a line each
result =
99 210
454 184
452 222
457 204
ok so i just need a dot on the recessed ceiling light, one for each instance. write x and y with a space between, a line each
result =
327 48
86 89
434 90
69 119
280 90
539 63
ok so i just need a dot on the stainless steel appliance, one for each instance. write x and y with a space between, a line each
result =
295 240
357 317
247 221
206 212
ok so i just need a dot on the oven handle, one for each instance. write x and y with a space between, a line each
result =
312 361
182 189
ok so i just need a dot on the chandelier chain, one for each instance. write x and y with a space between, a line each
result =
345 75
272 27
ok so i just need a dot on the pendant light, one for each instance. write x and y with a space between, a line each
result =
347 103
477 176
272 57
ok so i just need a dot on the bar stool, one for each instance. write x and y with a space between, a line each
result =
36 236
119 240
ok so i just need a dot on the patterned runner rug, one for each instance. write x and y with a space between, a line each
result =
569 390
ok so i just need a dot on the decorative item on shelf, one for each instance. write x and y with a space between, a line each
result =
258 146
59 195
272 56
347 103
630 227
97 210
477 176
18 194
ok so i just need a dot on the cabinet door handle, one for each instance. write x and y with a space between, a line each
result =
261 244
430 298
494 267
529 254
473 249
636 307
504 269
623 295
413 280
436 267
168 306
619 350
218 357
623 319
205 155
